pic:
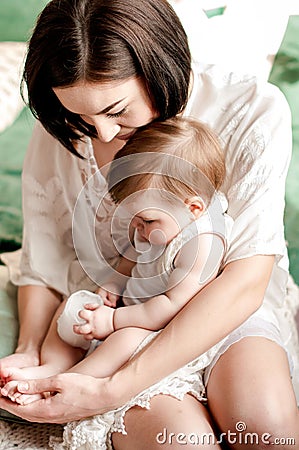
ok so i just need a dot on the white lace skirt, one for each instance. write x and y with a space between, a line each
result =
95 433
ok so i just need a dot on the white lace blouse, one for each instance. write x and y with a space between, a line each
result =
254 124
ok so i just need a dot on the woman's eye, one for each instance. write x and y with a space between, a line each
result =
148 221
117 114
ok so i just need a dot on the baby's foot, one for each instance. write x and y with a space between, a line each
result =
19 360
10 390
12 376
10 373
15 374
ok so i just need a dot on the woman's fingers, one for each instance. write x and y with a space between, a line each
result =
39 386
70 399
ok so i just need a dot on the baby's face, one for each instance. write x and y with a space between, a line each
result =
157 220
155 226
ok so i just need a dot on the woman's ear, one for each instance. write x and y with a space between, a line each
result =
196 206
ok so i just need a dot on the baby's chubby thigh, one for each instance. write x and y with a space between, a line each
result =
70 317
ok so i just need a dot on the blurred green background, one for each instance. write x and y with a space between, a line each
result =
17 18
285 74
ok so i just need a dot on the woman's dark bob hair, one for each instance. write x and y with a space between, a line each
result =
102 41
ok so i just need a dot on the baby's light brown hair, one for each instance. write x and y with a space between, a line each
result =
181 156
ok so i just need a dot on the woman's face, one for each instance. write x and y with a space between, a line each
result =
116 108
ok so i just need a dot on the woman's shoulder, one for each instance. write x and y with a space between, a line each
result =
47 154
215 85
250 116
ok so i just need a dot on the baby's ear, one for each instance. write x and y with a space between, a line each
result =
196 206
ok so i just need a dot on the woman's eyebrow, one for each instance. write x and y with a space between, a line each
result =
108 108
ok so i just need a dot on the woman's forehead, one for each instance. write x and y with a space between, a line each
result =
97 97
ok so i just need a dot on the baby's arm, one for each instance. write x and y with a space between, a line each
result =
193 270
196 265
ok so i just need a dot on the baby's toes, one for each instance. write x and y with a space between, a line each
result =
10 389
25 399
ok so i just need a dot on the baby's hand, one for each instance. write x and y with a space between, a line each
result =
98 321
109 293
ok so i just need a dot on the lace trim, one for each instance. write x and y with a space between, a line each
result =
95 433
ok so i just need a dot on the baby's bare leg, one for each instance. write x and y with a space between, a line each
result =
104 361
113 353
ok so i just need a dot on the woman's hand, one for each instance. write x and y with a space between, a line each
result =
74 396
109 293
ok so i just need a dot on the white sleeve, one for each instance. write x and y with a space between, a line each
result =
50 182
257 174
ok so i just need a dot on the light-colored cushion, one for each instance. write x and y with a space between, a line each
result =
12 55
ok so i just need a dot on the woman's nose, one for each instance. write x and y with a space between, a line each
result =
105 129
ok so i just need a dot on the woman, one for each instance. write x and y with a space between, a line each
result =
103 69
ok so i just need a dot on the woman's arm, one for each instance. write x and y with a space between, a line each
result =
111 290
220 308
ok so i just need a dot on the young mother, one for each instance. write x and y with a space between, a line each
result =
96 71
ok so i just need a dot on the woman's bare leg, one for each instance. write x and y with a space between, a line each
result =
250 387
36 306
56 355
168 424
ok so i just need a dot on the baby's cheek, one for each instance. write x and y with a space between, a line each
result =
157 237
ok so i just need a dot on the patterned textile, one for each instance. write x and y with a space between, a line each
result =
11 60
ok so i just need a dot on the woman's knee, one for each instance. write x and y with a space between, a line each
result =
250 392
269 420
259 421
260 430
168 424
